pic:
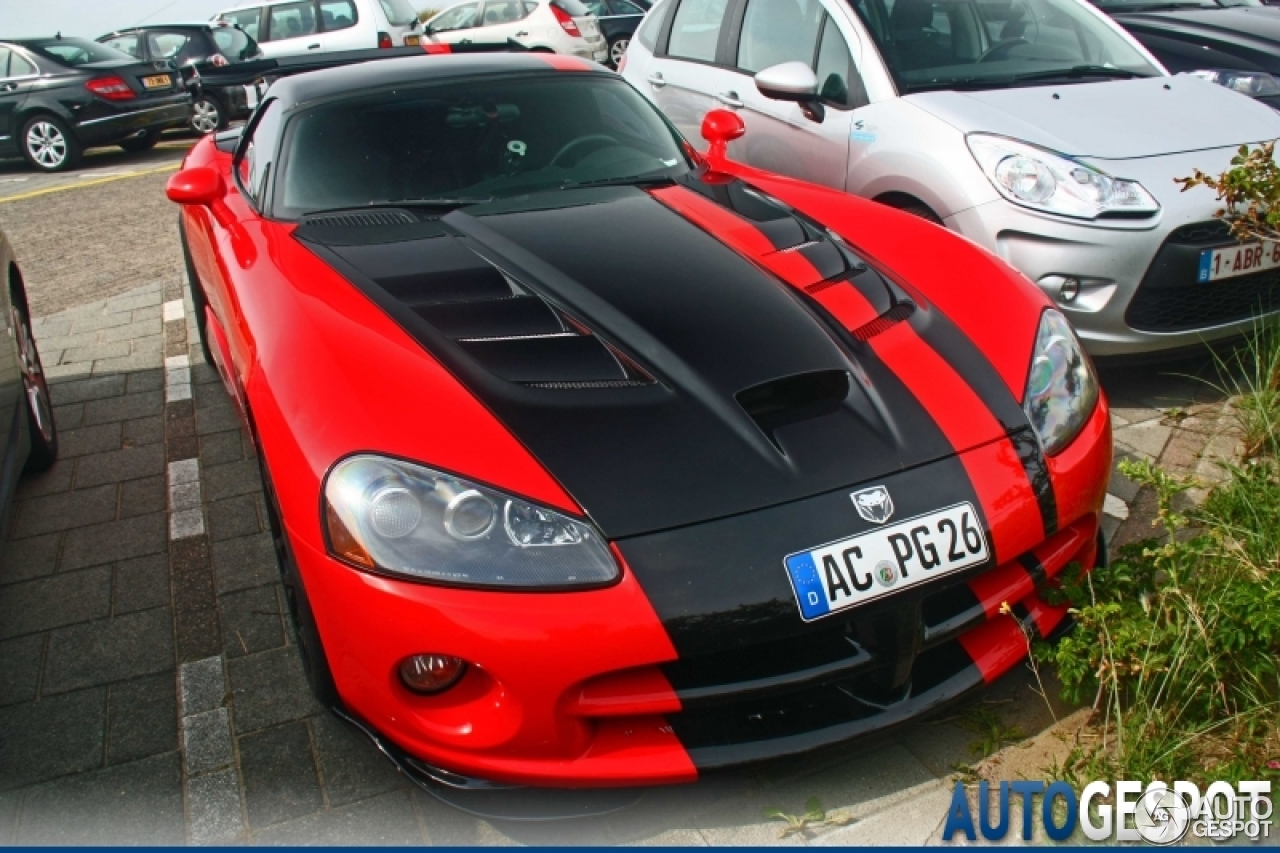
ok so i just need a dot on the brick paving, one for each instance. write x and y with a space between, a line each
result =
149 687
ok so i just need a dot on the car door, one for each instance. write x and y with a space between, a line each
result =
338 26
129 42
456 25
684 77
501 20
780 136
291 29
166 45
16 76
249 20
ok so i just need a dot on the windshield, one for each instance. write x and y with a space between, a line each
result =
399 13
1147 5
980 44
235 44
76 52
477 140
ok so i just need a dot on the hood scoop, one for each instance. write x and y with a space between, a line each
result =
793 399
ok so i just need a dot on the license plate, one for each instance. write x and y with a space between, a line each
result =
412 41
862 568
157 81
1232 261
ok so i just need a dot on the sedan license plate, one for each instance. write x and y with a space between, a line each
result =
412 41
862 568
1232 261
157 81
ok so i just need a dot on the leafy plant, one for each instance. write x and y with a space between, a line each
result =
814 816
1250 375
991 730
1250 189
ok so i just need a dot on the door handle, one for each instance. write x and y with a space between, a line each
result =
730 100
313 47
656 80
465 41
522 34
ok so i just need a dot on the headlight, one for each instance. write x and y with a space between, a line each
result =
395 517
1255 84
1061 387
1040 179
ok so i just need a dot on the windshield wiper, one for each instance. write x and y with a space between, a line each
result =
632 180
1079 71
428 202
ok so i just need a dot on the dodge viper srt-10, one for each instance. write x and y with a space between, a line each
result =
595 461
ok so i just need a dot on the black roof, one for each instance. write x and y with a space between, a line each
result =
385 73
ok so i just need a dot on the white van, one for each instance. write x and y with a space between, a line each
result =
295 27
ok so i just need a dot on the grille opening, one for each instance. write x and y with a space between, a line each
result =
773 405
361 218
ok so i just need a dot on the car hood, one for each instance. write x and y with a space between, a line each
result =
662 375
1112 120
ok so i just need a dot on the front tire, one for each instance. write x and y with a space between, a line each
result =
618 49
43 451
145 142
48 145
207 116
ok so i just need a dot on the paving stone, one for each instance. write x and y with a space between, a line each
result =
226 481
217 420
52 602
279 775
135 803
197 633
114 649
20 669
386 821
52 737
269 688
141 584
913 820
1147 438
9 818
233 517
28 559
245 562
351 767
214 803
116 540
250 621
448 827
54 479
126 364
139 497
68 417
140 431
206 740
124 408
221 447
64 511
184 447
97 351
209 395
142 718
94 439
128 463
203 685
102 321
204 374
145 380
80 390
133 332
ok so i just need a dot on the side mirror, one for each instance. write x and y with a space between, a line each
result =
720 127
201 187
792 81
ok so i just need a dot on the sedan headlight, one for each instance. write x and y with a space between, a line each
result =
402 519
1061 386
1039 179
1255 84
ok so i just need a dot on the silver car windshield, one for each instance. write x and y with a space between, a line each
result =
987 44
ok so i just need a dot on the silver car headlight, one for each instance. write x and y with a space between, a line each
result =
1061 386
1255 84
398 518
1037 178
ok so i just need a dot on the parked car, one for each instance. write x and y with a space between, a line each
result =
296 27
748 478
28 436
1236 45
1039 129
59 96
196 49
557 26
617 20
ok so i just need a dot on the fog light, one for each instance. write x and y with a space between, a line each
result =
429 673
1069 290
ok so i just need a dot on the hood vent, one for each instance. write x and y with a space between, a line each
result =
884 322
363 218
782 402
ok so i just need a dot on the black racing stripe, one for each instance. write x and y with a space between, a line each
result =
1023 615
1033 567
1031 454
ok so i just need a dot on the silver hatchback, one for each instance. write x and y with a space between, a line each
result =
1039 129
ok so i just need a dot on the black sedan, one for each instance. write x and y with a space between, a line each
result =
59 96
618 21
1236 44
197 49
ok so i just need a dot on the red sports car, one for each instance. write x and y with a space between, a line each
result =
598 462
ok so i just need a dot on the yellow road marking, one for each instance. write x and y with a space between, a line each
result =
82 184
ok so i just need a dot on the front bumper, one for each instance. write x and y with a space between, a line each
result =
1113 262
587 689
106 128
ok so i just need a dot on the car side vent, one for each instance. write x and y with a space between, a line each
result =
792 399
884 322
357 219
